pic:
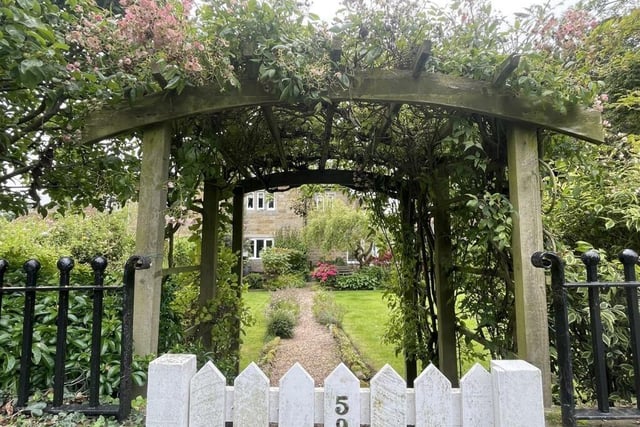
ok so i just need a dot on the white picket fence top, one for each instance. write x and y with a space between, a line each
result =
177 395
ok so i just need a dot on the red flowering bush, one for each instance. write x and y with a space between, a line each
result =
325 272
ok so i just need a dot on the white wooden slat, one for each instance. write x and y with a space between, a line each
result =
207 398
433 399
477 400
251 398
388 399
296 398
168 390
341 398
517 398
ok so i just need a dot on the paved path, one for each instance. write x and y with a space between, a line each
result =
312 345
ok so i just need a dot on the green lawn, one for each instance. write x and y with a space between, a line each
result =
253 340
365 321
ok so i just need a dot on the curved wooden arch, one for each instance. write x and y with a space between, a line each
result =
359 181
382 86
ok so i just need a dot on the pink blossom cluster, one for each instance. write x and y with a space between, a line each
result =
598 103
324 271
566 33
148 32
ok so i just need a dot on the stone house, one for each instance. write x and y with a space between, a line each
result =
265 214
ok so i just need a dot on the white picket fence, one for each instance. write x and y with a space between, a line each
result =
177 395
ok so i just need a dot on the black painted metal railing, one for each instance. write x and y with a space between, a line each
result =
559 286
65 265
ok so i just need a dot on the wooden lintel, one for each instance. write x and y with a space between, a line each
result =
275 133
421 59
374 86
505 70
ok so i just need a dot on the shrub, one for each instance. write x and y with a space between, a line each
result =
281 323
277 261
325 309
356 282
284 300
282 314
325 273
285 281
254 281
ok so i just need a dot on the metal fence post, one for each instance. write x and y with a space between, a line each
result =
552 261
98 265
629 259
134 263
31 267
65 265
591 259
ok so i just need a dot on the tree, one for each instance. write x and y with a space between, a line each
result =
339 227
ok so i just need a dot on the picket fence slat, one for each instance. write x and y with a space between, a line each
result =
433 399
251 398
297 398
388 399
342 398
208 392
477 404
509 395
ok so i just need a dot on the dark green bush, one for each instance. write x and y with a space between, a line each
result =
79 341
281 323
282 314
277 261
254 281
356 281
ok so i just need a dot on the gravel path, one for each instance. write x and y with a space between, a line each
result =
312 345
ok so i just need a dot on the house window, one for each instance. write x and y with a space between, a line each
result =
250 201
260 200
257 245
271 202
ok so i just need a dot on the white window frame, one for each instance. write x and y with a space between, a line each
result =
271 202
260 200
254 253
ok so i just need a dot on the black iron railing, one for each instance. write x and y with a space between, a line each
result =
559 286
97 290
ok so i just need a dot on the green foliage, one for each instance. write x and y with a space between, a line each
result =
282 315
278 261
225 314
326 310
254 280
281 323
289 238
337 227
356 281
284 281
78 341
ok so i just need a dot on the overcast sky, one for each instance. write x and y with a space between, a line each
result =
326 8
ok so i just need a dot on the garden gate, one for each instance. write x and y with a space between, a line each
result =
177 395
559 287
97 290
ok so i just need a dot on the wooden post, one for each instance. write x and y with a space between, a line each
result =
237 239
152 203
208 253
445 290
530 292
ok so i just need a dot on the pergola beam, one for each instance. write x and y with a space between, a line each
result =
381 86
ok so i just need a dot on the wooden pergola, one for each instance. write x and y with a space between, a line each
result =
522 117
